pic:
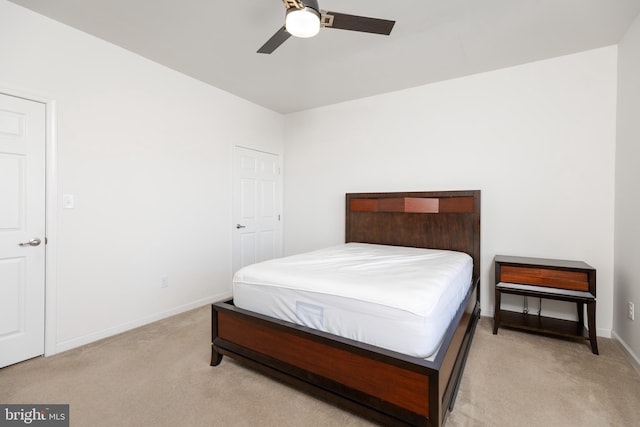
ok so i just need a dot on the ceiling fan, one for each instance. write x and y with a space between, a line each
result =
304 18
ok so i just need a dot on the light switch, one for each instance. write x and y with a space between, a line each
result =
67 201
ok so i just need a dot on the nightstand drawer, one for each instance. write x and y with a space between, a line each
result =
562 279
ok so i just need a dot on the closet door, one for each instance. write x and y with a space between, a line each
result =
257 229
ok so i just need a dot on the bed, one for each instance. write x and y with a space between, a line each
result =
388 385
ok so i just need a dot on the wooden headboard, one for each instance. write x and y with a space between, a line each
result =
430 219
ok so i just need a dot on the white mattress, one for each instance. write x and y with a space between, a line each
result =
398 298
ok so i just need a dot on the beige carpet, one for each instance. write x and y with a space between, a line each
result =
159 375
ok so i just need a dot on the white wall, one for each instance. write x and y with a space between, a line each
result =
537 139
147 152
627 220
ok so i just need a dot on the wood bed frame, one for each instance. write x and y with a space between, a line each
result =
385 386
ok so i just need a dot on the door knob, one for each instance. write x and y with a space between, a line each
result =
240 226
32 242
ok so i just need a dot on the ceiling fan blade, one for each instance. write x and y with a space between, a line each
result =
343 21
275 41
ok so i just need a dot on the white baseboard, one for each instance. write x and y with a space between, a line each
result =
106 333
633 358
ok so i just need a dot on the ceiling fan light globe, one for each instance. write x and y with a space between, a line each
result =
302 23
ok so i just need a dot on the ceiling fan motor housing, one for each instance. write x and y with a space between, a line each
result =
301 4
313 4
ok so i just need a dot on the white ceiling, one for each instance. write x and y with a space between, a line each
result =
216 41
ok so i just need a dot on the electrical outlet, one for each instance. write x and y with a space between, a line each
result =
164 282
631 313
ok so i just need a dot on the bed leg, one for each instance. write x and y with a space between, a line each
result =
216 357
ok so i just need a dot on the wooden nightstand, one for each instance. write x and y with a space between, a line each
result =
573 281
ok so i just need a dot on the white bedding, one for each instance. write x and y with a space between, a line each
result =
398 298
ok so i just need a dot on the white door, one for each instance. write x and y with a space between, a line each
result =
256 207
22 229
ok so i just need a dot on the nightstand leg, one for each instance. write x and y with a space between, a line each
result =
581 314
496 312
591 317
